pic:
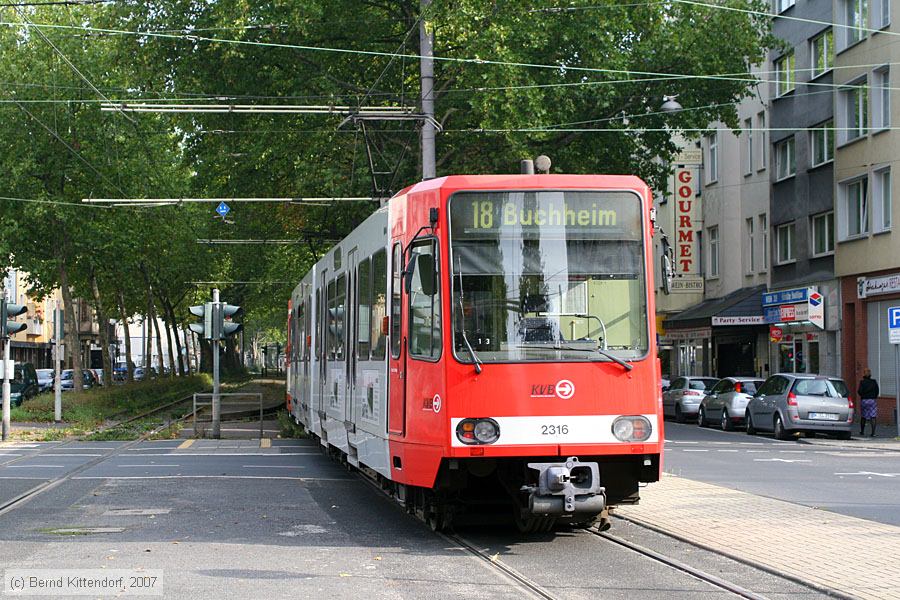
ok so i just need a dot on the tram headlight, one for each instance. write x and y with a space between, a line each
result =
478 431
632 429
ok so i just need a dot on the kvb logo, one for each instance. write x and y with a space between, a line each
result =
565 389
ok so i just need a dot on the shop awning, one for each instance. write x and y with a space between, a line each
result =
742 307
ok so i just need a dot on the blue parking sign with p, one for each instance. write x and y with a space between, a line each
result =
894 317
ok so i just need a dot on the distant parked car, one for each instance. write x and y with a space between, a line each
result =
67 380
726 402
120 373
24 384
682 399
791 402
46 377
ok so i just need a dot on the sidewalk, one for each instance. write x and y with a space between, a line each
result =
886 440
849 556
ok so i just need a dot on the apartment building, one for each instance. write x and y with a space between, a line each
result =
867 256
726 326
802 304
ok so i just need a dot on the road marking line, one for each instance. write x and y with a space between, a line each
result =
220 477
757 451
273 466
265 443
181 455
784 460
35 466
136 512
71 454
185 444
871 473
694 450
726 450
792 451
28 478
144 466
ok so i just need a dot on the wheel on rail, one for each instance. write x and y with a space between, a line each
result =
748 424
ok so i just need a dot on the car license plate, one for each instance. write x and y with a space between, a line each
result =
824 416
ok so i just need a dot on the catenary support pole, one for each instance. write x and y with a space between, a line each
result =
216 406
57 358
426 69
897 385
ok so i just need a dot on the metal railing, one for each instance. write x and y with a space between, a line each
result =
230 408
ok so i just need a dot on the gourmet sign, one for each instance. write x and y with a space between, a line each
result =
685 236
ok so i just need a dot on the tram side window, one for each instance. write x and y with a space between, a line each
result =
425 303
364 308
332 320
319 344
379 303
397 263
299 345
339 314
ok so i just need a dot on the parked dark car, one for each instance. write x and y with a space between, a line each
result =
788 403
24 384
67 380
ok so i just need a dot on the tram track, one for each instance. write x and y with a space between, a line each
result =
7 506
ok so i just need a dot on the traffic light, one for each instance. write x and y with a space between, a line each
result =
7 311
226 312
205 327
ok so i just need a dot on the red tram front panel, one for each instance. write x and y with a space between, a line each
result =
545 285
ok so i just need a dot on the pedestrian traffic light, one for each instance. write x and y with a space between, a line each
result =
205 327
227 311
9 310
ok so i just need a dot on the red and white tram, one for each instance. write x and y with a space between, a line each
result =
488 340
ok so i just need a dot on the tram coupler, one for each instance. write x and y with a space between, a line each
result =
571 487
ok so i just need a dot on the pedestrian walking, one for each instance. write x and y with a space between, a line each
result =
868 403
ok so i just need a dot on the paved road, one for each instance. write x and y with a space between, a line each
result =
846 479
233 518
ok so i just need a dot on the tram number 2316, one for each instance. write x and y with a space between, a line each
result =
554 429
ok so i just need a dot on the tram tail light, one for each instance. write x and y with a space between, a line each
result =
792 399
632 429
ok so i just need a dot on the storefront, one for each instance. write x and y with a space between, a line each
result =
721 337
866 342
799 341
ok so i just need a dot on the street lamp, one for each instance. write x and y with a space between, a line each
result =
670 104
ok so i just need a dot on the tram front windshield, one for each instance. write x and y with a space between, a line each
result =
548 276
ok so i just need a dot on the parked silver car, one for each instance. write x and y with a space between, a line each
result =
682 399
726 402
791 402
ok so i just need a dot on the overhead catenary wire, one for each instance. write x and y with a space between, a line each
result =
171 201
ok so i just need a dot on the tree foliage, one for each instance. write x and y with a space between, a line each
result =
581 82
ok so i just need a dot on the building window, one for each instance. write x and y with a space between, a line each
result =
763 140
854 205
881 195
823 234
783 5
855 15
713 237
748 129
785 239
881 13
785 166
712 157
853 110
822 142
881 98
784 74
822 50
764 233
748 227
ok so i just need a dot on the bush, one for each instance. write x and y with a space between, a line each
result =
92 407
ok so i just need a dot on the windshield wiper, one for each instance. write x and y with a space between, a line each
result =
624 364
462 317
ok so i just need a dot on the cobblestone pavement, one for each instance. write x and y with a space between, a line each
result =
851 556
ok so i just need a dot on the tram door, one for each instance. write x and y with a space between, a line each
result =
397 361
351 313
322 344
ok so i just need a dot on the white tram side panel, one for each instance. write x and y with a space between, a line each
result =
346 391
